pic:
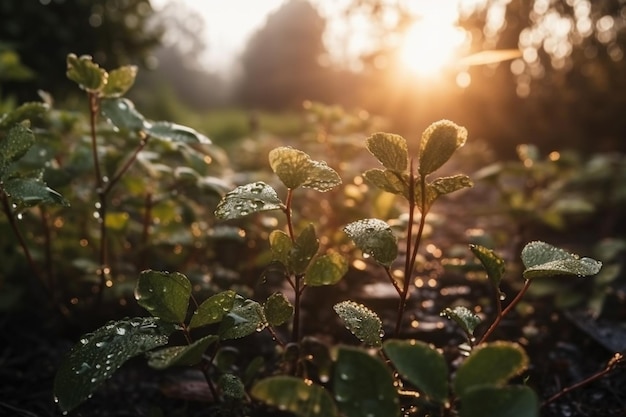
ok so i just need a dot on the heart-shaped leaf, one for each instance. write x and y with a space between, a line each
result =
544 260
180 355
277 309
391 150
86 73
119 81
248 199
293 394
375 238
296 169
164 294
439 141
213 309
361 321
326 270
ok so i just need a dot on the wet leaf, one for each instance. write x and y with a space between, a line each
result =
86 73
172 132
391 150
493 364
387 180
26 111
375 238
304 249
15 145
494 265
164 294
119 81
248 199
28 192
278 310
447 185
281 245
464 317
213 309
363 385
544 260
188 355
490 401
361 321
326 270
295 395
243 319
122 114
99 354
439 141
231 387
296 169
422 365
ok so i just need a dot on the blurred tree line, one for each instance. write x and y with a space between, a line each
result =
568 91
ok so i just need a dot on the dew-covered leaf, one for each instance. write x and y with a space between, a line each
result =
321 177
363 385
422 365
231 387
327 269
86 73
173 132
490 401
439 141
293 394
248 199
277 309
122 114
464 317
188 355
494 265
213 309
246 317
119 81
99 354
15 145
544 260
493 364
361 321
387 180
28 192
447 185
164 294
281 245
391 150
26 111
375 238
304 249
296 169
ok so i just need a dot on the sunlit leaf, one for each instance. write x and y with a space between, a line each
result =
248 199
86 73
490 401
387 180
464 317
439 141
173 132
375 238
119 81
321 177
493 364
447 185
493 264
544 260
213 309
327 269
246 317
26 111
391 150
296 169
121 113
422 365
28 192
361 321
363 385
295 395
99 354
277 309
281 245
304 249
187 355
164 294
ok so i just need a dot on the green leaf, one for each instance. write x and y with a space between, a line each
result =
493 264
490 401
213 309
122 114
447 185
277 309
304 249
84 72
15 145
293 394
422 365
544 260
119 81
28 192
248 199
326 270
464 317
361 321
296 169
172 132
375 238
363 385
99 354
231 387
493 363
439 141
26 111
180 355
246 317
391 150
387 180
281 246
164 294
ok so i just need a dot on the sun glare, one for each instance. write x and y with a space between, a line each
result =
431 44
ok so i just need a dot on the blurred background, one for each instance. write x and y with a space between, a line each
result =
547 72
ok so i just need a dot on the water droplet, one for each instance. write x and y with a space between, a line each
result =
100 344
502 296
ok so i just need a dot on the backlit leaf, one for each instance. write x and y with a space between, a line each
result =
391 150
326 270
295 395
544 260
375 238
248 199
213 309
361 321
296 169
86 73
439 141
119 81
387 180
164 294
277 309
187 355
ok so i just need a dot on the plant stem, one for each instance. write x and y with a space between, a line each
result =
295 332
506 311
